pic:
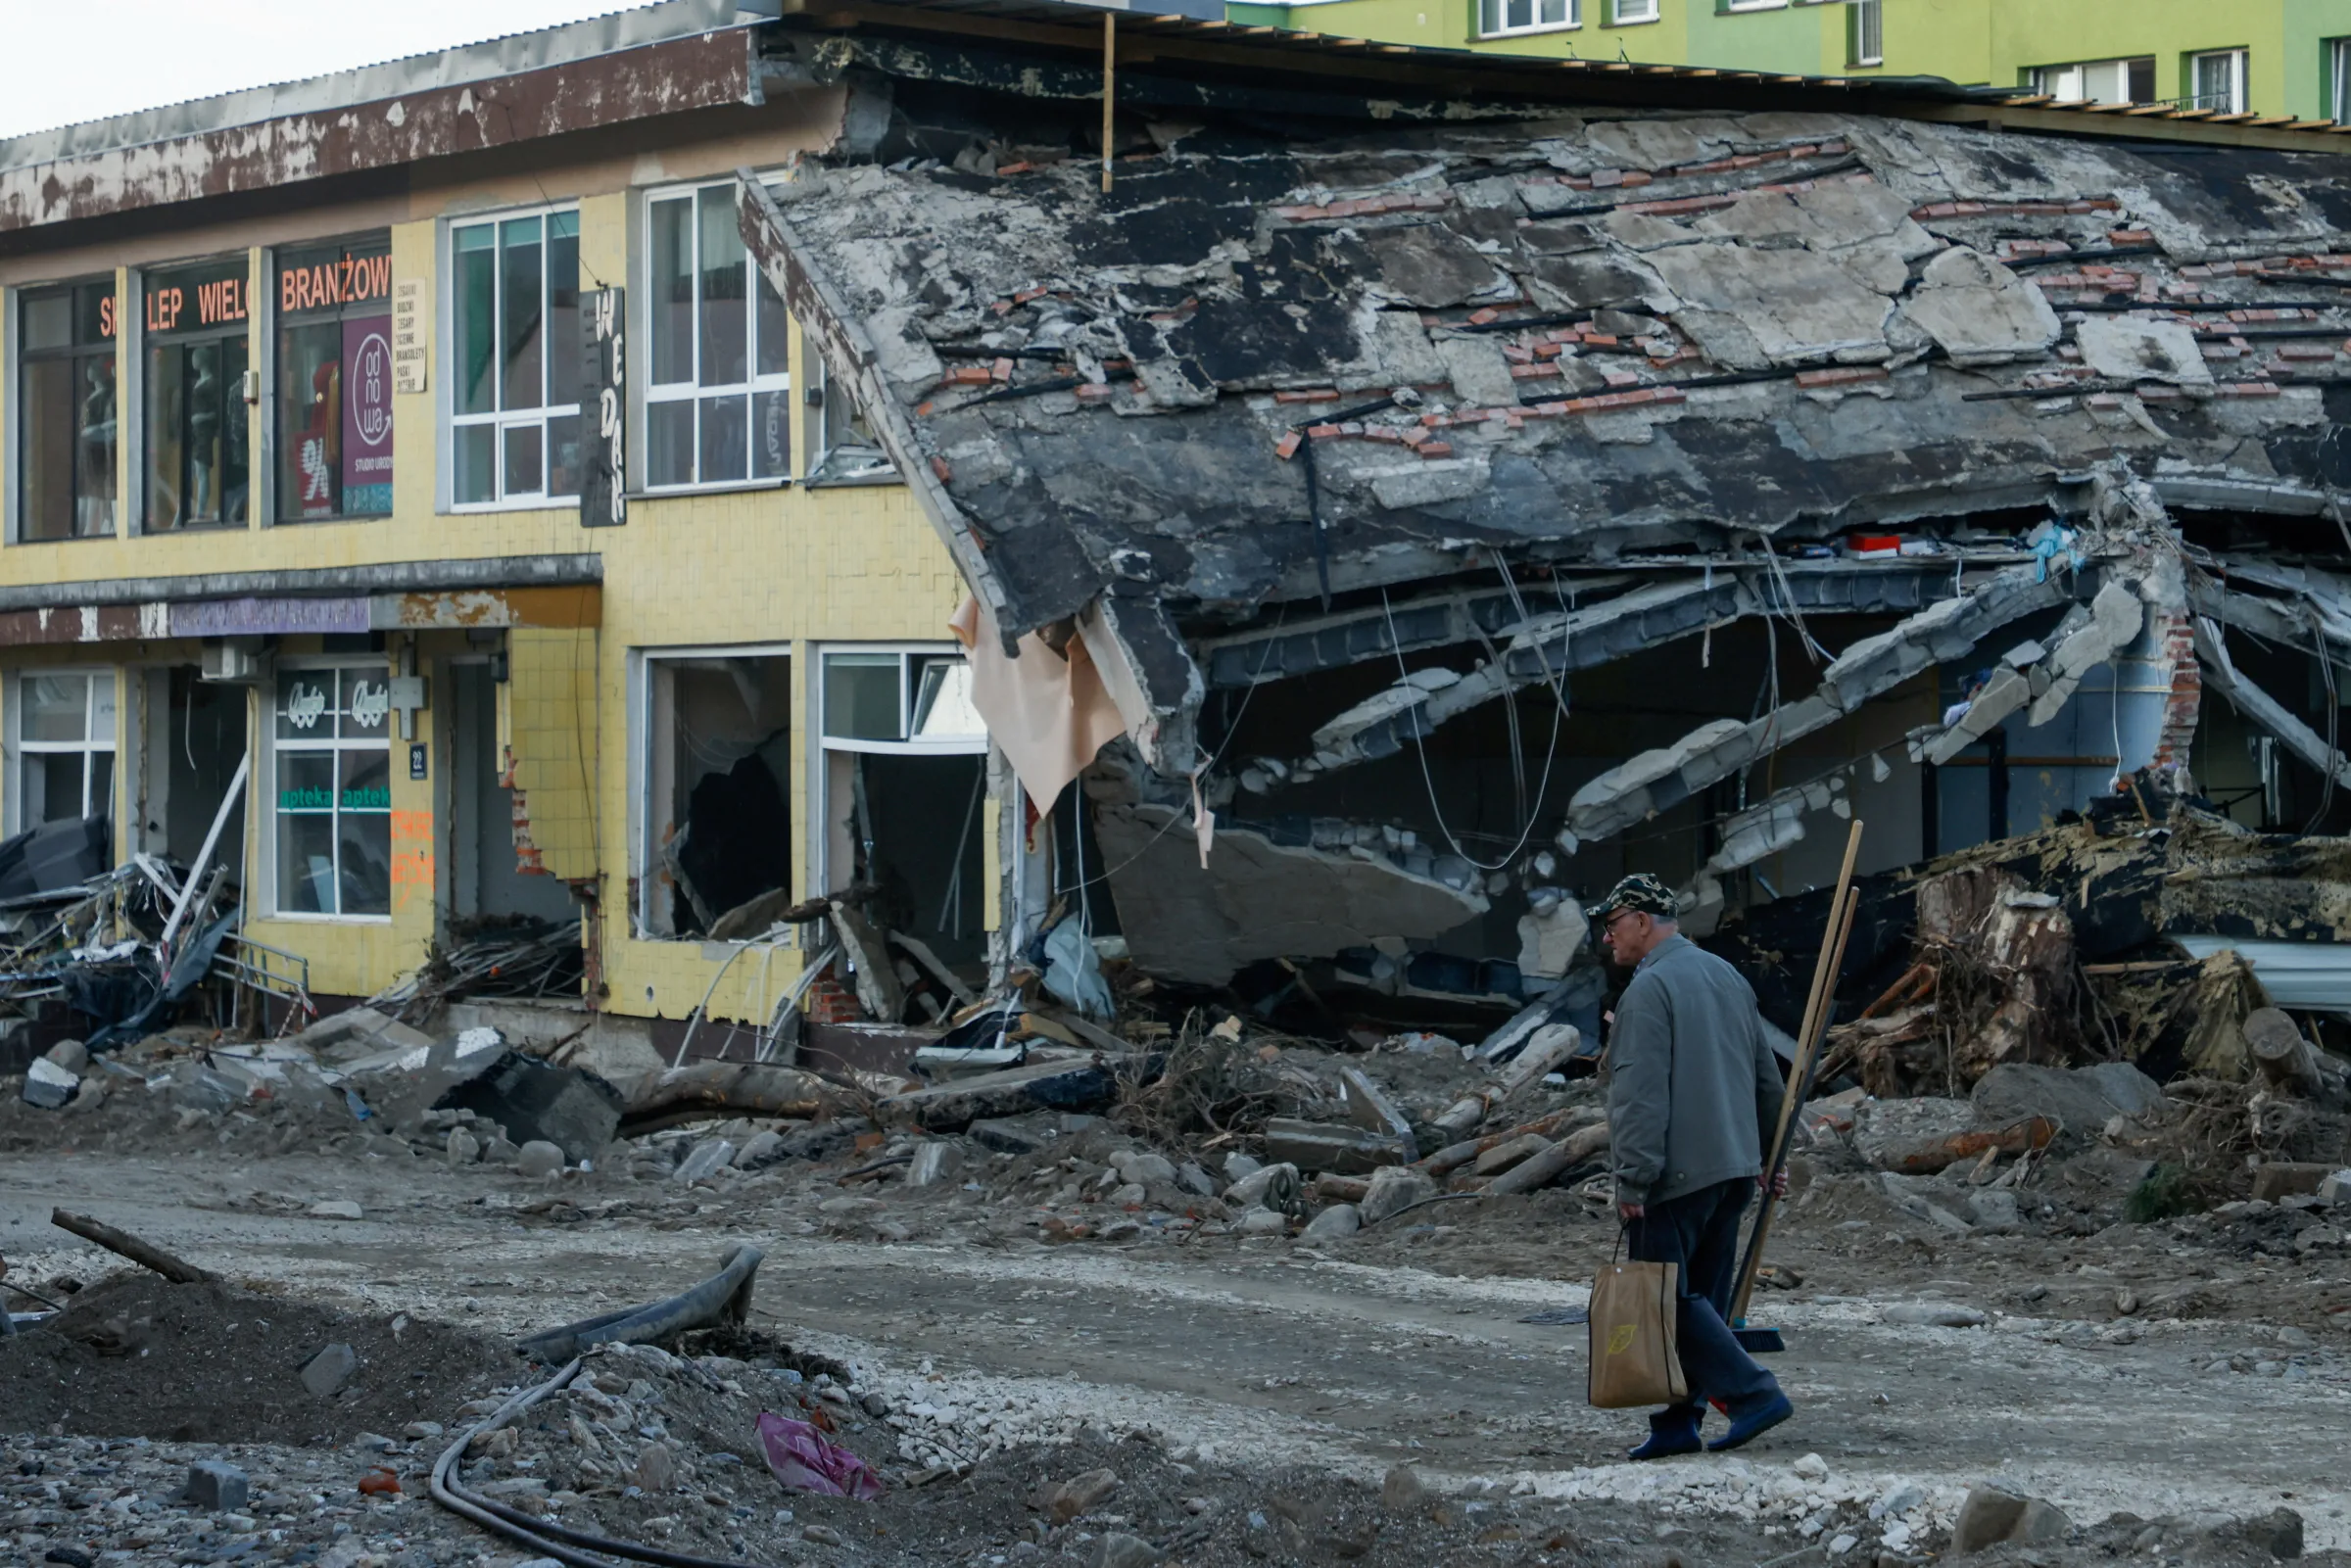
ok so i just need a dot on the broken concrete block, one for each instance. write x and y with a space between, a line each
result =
1005 1137
2132 350
2336 1191
1796 305
1337 1221
2006 691
462 1147
577 1112
1393 1190
1057 1083
933 1164
1401 1490
1317 1146
328 1370
538 1159
705 1158
71 1055
759 1149
1549 935
1369 1109
2080 1100
1979 311
48 1085
2274 1179
217 1487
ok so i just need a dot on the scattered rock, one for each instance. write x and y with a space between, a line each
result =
538 1159
1261 1223
335 1208
1402 1488
1935 1314
328 1370
1394 1189
1250 1190
1332 1224
656 1468
1079 1495
1811 1467
759 1149
2278 1531
217 1487
1121 1551
1990 1517
48 1085
462 1147
70 1055
708 1157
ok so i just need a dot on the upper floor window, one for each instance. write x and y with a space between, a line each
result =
718 401
1866 32
2339 97
514 287
1625 11
65 389
2217 82
194 430
334 380
1498 19
2100 81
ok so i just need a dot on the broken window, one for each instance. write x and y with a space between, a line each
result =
718 819
188 735
1497 18
66 385
514 295
334 380
65 747
842 448
718 404
905 782
198 470
332 756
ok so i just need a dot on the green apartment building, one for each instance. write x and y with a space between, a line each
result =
2267 57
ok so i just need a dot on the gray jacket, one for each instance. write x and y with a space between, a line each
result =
1694 1088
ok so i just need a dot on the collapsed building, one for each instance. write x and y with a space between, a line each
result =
1448 484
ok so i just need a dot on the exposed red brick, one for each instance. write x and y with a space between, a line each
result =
1022 168
1436 448
1287 446
940 467
1841 376
1095 392
1000 370
1307 395
1322 432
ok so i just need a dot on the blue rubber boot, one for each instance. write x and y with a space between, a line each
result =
1671 1432
1745 1429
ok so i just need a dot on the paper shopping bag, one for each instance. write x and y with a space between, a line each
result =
1634 1359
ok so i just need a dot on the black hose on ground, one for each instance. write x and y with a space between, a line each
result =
725 1295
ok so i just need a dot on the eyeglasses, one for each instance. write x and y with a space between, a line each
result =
1607 928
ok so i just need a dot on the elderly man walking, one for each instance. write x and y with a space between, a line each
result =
1694 1096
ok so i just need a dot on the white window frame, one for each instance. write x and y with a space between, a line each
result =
691 390
20 748
826 745
453 370
1634 13
647 733
273 744
1757 5
2237 79
1575 18
1867 19
2338 54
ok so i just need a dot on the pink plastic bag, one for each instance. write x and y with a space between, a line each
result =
805 1461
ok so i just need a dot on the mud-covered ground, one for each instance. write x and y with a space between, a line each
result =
2169 1386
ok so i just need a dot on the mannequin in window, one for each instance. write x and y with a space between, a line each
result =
94 485
204 435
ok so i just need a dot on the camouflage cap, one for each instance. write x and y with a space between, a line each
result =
1642 893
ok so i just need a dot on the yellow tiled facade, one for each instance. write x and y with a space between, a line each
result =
786 566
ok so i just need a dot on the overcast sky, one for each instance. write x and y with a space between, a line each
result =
67 62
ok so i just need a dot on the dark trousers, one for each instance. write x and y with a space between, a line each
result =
1699 1231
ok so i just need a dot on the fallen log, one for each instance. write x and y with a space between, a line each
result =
2281 1054
1552 1045
732 1088
1924 1158
1543 1169
1454 1156
121 1243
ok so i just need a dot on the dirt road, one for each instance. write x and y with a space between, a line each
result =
1262 1351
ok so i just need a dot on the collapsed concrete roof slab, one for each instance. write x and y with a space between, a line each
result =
1263 363
1257 899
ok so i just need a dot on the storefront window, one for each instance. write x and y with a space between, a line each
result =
65 387
334 381
718 405
194 331
514 336
65 726
334 790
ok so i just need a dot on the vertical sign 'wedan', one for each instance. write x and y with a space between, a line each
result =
603 386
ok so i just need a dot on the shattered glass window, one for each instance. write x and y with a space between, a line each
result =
718 851
717 405
332 757
65 722
514 289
